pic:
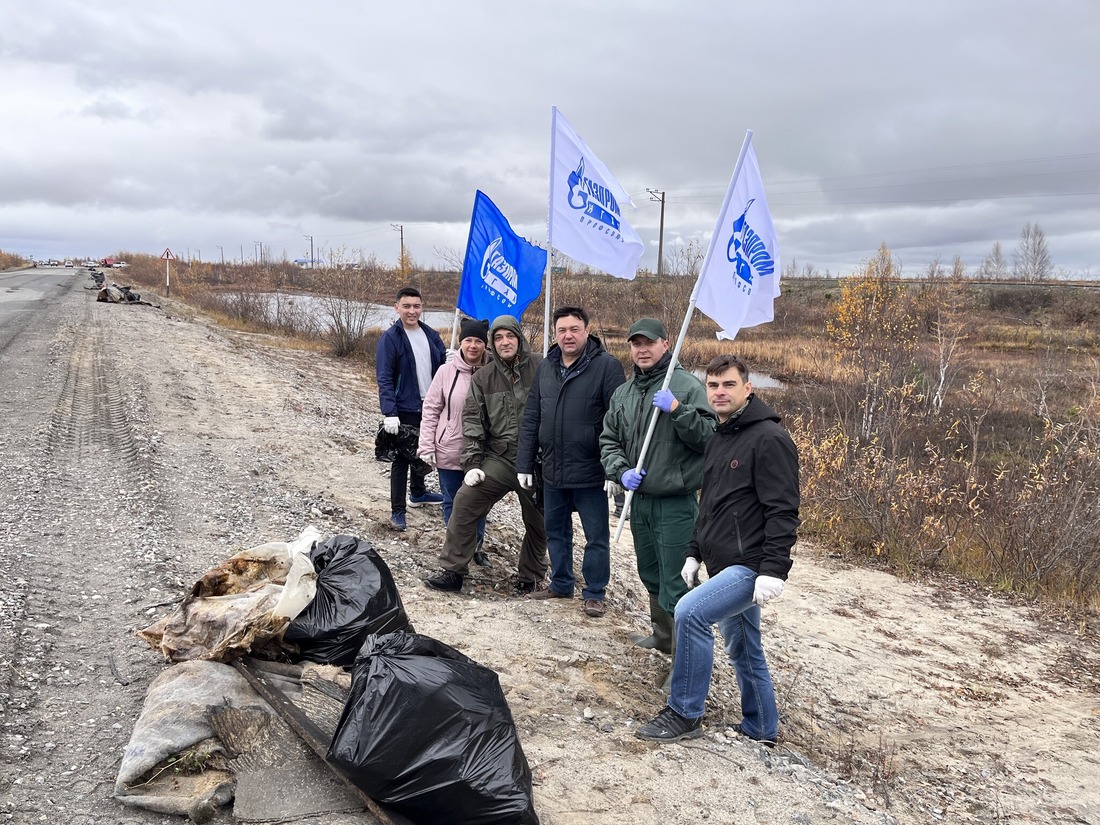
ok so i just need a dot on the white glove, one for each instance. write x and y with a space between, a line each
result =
451 353
391 424
526 481
767 588
612 489
474 477
690 573
428 458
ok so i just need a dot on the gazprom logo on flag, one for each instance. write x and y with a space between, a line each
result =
600 209
498 275
748 253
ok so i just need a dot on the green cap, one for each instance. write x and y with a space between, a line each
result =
651 328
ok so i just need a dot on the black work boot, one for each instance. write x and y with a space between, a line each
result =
662 620
445 580
669 726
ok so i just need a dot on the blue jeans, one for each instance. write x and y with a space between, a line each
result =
725 600
449 482
591 504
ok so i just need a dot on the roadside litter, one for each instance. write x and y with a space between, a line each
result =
428 731
114 293
261 709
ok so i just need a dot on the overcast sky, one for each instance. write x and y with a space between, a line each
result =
937 127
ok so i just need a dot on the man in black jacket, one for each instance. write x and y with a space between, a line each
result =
563 420
748 520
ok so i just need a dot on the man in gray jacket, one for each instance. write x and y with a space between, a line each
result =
562 425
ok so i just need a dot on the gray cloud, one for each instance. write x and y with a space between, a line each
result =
937 128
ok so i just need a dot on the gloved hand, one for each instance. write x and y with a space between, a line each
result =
690 573
612 489
767 588
451 353
665 401
428 458
526 481
474 477
391 424
632 478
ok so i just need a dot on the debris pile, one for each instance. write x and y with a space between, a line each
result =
301 689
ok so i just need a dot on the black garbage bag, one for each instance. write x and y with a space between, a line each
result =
356 596
427 731
387 447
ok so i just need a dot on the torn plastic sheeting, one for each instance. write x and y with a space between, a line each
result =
239 605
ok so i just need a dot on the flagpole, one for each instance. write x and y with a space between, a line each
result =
454 329
683 330
549 236
546 299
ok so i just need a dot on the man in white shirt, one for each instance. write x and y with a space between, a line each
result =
408 355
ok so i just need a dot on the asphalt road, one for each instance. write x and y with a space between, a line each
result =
25 292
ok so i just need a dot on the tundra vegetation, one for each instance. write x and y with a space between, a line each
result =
948 424
9 260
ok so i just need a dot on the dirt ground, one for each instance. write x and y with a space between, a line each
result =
141 447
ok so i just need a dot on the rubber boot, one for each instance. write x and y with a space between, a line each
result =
666 687
661 638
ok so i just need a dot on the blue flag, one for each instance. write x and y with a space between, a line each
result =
502 273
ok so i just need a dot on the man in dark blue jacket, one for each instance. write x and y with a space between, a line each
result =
408 355
562 423
748 521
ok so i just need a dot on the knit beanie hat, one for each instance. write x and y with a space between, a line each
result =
473 328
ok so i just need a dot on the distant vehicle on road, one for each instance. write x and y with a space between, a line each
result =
69 264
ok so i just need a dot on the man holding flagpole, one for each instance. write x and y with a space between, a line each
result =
663 507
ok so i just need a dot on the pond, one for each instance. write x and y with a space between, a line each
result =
377 315
759 380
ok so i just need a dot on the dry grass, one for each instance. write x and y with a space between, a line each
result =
9 260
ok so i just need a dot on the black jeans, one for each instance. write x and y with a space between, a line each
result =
400 474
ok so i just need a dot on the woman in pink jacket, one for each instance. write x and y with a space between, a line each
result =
441 427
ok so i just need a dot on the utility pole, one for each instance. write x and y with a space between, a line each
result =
400 227
259 252
660 198
310 250
222 251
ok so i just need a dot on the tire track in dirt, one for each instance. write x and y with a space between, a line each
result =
90 414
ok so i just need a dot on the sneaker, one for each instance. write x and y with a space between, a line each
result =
594 608
669 726
481 559
548 593
425 498
397 522
445 580
525 588
767 743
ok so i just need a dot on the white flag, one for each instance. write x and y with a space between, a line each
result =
740 277
585 219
